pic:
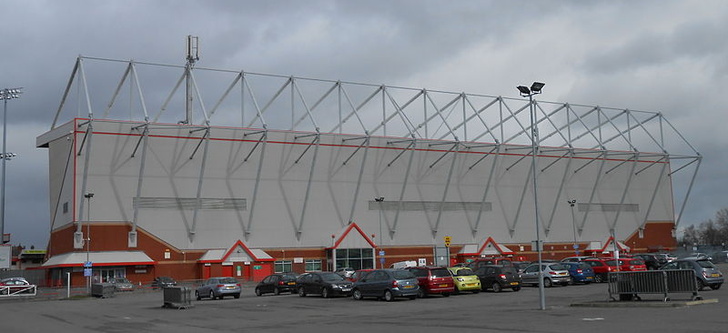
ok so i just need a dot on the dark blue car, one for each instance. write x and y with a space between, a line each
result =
579 272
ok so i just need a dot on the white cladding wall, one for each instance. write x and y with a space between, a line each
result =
286 202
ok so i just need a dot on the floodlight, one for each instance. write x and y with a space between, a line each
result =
536 87
524 90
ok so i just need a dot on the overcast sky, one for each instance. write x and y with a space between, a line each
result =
661 56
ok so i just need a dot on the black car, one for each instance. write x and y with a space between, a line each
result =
498 277
276 283
652 261
326 284
163 282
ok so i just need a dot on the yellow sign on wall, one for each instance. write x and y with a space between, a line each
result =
447 240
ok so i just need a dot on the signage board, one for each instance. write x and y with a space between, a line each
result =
6 256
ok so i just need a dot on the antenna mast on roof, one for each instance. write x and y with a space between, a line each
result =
192 57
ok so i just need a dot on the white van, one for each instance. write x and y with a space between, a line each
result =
403 264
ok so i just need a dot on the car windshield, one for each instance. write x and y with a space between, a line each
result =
331 277
705 264
611 262
401 275
465 272
440 272
165 279
121 280
228 281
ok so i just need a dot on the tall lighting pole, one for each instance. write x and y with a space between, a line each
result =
379 201
88 197
5 95
572 202
529 92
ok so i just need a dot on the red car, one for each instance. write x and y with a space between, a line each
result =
358 274
632 265
602 267
433 280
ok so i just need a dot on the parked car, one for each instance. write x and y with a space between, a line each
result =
602 267
386 284
576 259
403 264
358 274
632 265
580 272
345 272
553 273
477 263
465 279
14 285
519 266
498 277
697 255
122 284
276 284
326 284
719 257
163 282
706 273
433 280
652 261
218 287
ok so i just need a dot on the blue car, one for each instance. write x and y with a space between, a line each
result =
580 272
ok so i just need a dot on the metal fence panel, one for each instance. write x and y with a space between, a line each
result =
628 285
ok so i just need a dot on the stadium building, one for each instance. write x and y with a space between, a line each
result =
190 172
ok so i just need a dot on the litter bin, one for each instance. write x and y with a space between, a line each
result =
177 297
102 290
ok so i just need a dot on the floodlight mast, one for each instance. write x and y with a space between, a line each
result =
192 56
529 92
5 95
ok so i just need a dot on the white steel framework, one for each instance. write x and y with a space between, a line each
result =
366 129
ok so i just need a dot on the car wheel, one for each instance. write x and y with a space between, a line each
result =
197 295
257 292
715 286
445 294
236 296
301 292
388 297
547 283
412 298
325 292
476 291
516 288
572 281
598 278
212 295
699 284
421 293
496 287
357 295
276 291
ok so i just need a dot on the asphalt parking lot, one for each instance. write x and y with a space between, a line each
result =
484 312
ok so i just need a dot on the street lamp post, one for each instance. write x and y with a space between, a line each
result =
88 197
5 95
572 202
379 200
535 89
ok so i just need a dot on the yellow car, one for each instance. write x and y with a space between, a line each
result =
465 279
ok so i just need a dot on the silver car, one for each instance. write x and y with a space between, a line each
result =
218 287
553 273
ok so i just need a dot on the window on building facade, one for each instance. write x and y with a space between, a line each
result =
283 266
313 265
355 258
